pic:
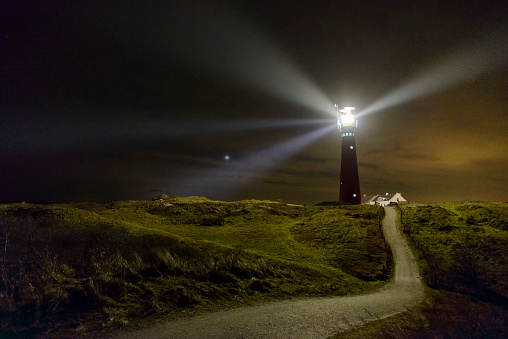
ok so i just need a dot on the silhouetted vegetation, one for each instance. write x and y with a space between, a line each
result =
81 267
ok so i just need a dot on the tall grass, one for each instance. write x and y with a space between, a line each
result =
463 247
88 266
444 315
463 250
51 268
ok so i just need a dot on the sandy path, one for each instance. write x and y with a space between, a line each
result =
307 318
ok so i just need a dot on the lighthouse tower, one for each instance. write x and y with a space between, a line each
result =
349 179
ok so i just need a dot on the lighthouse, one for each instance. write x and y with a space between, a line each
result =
349 189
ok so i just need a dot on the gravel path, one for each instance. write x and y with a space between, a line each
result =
307 318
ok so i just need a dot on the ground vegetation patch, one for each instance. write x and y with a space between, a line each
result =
81 268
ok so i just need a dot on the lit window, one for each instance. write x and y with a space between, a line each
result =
351 147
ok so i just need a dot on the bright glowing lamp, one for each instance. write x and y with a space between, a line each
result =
346 119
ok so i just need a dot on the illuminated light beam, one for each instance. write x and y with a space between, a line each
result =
235 50
154 129
466 64
53 134
222 42
287 148
229 176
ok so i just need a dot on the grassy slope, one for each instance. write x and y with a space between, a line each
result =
85 265
463 250
463 247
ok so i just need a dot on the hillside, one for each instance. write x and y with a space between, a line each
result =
462 250
462 247
89 266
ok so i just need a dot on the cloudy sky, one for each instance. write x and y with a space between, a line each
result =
235 100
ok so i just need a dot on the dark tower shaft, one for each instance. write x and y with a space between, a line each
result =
349 179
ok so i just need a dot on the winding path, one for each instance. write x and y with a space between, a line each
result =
307 318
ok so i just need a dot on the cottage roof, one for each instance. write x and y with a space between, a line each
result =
384 197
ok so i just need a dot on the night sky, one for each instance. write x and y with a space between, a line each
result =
235 100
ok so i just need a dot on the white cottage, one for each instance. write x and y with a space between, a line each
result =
385 200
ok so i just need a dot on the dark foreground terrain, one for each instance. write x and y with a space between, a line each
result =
81 268
73 269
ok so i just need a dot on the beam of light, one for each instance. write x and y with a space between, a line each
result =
465 64
228 177
225 44
56 133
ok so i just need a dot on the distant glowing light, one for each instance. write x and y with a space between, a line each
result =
226 157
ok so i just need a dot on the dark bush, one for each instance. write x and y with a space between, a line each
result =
212 221
260 286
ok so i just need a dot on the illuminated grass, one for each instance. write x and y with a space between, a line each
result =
88 265
462 250
275 230
463 247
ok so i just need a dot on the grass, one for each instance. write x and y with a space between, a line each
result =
463 247
442 315
463 254
68 269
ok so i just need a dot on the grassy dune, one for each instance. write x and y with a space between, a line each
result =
75 268
463 252
463 247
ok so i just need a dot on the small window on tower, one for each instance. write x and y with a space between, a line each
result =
351 147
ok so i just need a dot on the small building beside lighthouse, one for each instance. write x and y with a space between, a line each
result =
386 199
349 187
